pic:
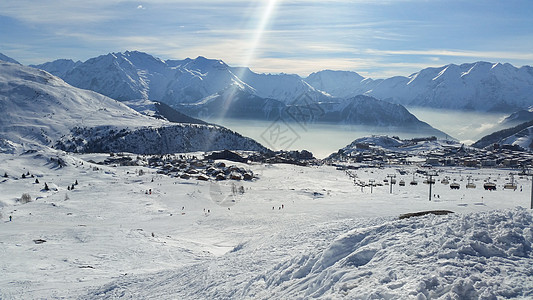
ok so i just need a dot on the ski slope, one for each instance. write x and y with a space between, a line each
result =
295 233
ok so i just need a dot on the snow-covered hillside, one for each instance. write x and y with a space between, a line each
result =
107 232
382 143
365 110
523 138
359 110
521 116
39 108
480 86
161 110
520 135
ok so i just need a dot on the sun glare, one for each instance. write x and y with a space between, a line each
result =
259 31
255 42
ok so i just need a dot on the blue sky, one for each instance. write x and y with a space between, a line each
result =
374 38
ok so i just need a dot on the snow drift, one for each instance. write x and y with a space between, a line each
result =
472 256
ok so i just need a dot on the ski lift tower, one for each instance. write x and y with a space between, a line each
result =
391 182
527 171
431 181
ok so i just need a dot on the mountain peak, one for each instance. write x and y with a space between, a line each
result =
8 59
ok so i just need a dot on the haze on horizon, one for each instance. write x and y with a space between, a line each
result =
374 38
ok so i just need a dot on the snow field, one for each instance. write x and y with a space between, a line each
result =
296 232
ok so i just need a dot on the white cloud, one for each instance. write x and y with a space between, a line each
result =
457 53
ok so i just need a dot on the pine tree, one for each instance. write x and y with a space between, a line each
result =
46 187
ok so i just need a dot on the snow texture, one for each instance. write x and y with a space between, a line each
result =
295 233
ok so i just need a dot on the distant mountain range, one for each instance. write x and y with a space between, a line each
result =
207 88
41 109
137 75
480 86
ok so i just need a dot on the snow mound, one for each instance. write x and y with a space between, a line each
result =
485 255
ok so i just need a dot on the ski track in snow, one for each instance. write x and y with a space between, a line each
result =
108 238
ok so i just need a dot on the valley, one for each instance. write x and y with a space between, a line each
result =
106 199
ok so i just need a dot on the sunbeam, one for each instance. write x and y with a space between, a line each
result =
255 42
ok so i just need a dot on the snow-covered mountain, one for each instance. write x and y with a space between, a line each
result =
480 86
523 115
137 75
39 108
366 110
208 88
520 135
58 67
342 84
161 111
8 59
359 110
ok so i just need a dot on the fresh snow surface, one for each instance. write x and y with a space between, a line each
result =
295 233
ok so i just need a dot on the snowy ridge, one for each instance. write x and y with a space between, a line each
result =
524 139
159 140
207 88
382 142
8 59
41 109
523 115
343 84
480 86
520 135
365 110
59 67
137 75
359 110
470 256
161 111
